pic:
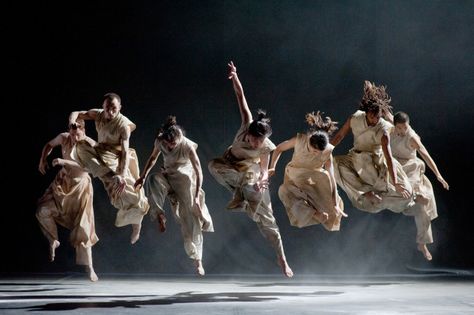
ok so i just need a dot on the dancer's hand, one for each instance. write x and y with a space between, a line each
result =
43 166
339 212
232 70
271 172
443 182
139 183
402 190
59 161
119 186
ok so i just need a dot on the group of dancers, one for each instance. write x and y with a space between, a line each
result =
381 171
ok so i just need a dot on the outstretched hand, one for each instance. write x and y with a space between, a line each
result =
43 166
443 182
232 70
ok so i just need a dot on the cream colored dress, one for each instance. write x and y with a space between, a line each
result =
364 169
415 170
103 160
177 181
238 171
307 186
68 202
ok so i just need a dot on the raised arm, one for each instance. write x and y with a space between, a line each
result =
245 113
85 114
149 164
282 147
387 151
48 147
418 145
341 133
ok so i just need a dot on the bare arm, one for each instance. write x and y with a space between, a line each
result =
197 169
69 163
86 115
149 164
282 147
124 155
245 113
48 147
341 133
387 151
418 145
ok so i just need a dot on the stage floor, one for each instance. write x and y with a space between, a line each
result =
237 294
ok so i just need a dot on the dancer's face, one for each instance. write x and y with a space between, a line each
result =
372 118
77 134
255 142
111 108
401 129
170 145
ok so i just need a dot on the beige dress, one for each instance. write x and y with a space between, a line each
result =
177 181
307 186
68 202
238 171
415 170
102 161
364 169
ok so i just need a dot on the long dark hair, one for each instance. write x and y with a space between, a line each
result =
375 99
319 129
170 130
260 127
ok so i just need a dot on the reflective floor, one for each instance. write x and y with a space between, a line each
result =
237 294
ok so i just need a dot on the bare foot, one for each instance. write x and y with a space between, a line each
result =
92 275
285 267
422 248
162 222
52 249
321 216
373 197
199 268
135 233
422 200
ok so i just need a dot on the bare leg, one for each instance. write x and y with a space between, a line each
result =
92 275
135 233
199 268
422 248
285 267
52 249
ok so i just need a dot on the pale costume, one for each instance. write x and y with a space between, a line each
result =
364 169
68 202
415 170
238 171
307 185
102 161
177 181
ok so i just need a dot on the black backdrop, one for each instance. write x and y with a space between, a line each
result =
169 57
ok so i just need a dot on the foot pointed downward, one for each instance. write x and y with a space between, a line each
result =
285 267
424 250
199 268
135 233
52 249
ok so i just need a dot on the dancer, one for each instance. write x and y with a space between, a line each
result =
68 200
405 143
244 171
180 180
309 191
372 179
114 162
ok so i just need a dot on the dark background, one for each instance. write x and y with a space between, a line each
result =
169 57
